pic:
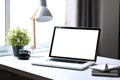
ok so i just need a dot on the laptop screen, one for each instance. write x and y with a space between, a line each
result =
74 43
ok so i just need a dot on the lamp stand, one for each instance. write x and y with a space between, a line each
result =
34 35
43 16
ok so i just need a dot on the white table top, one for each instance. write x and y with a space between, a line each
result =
24 68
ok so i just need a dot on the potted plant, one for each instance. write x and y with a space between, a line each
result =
17 38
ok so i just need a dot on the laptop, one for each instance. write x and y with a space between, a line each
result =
72 48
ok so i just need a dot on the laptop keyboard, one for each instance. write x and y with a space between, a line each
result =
67 61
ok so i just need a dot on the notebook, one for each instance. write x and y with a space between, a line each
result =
72 48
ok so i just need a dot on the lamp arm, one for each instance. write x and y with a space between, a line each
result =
34 15
34 30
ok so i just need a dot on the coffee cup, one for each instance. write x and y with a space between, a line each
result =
24 54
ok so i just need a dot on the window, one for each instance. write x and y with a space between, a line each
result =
2 22
15 13
21 12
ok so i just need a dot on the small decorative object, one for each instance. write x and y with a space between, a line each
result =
17 38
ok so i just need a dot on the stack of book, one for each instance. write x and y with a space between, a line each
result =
106 70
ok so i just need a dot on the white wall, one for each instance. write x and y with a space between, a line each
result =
110 28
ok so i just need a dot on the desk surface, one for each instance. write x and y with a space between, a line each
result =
24 68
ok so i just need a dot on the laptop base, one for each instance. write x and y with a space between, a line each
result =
63 65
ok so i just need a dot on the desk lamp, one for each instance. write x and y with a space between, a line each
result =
42 14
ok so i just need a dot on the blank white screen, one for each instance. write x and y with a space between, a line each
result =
75 43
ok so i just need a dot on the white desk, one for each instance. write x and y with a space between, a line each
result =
24 68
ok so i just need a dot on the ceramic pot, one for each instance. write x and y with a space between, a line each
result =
16 50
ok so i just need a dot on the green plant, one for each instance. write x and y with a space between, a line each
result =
18 37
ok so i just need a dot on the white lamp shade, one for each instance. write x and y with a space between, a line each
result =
43 14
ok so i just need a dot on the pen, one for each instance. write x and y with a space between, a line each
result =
106 67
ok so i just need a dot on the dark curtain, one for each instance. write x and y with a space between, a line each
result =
119 33
88 13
